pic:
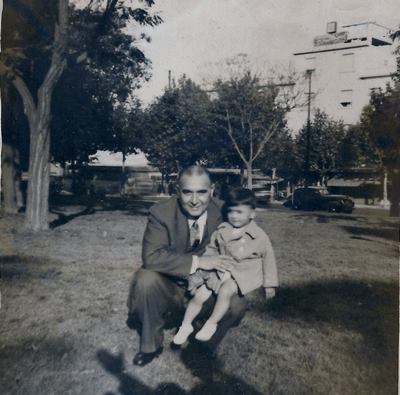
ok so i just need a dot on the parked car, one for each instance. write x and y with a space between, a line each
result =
318 198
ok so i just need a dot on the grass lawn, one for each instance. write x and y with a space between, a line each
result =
332 328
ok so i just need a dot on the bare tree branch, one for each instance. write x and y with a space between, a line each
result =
251 140
266 138
235 144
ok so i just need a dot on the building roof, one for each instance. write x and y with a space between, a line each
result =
357 35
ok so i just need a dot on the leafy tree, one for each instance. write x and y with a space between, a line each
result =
247 116
127 130
36 53
18 65
380 120
99 119
177 127
79 126
356 149
326 137
279 154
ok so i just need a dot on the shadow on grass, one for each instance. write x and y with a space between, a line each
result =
20 355
370 309
18 267
328 217
64 218
213 381
389 232
132 206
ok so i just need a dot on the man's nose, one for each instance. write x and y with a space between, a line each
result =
194 199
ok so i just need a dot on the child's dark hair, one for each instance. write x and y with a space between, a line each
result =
238 196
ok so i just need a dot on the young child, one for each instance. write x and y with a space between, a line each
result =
253 265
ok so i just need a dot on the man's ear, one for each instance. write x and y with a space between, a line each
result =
212 188
253 214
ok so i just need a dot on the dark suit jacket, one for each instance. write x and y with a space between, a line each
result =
166 245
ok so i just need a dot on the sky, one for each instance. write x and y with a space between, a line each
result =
198 36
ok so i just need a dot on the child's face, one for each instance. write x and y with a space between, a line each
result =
240 215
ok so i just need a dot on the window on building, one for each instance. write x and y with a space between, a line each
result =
346 98
347 62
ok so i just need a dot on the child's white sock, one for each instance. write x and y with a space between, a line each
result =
206 332
183 333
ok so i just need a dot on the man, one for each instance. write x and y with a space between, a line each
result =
177 233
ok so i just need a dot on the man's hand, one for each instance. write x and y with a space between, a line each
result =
269 293
221 263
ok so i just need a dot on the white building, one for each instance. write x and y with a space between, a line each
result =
346 63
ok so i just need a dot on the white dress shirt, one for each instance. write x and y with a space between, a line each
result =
201 222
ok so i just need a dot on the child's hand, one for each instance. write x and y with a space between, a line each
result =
269 293
221 263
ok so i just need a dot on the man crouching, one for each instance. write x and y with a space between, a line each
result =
176 236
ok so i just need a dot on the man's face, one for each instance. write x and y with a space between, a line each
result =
195 193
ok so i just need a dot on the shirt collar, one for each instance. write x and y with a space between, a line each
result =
251 229
201 220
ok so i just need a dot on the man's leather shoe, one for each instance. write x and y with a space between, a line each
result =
144 358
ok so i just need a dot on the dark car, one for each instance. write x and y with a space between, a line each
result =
318 198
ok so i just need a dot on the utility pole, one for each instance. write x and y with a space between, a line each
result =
307 164
169 79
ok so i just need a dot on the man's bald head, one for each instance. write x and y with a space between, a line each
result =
193 171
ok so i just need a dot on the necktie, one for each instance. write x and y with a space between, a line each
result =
194 235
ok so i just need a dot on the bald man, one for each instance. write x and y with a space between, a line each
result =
177 233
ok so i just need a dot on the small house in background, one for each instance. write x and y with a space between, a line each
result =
364 185
130 180
108 174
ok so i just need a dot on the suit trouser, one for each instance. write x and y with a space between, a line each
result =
152 294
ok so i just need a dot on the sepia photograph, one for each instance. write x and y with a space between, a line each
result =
199 197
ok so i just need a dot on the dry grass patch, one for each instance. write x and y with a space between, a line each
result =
332 329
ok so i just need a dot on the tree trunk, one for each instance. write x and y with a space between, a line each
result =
122 188
385 202
123 162
249 169
395 193
162 189
241 176
38 114
11 180
288 189
37 205
273 185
